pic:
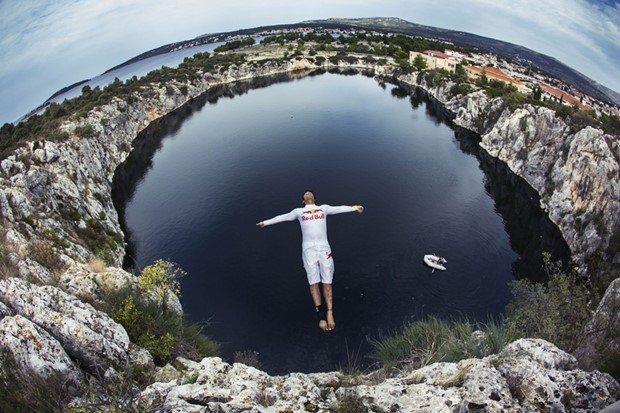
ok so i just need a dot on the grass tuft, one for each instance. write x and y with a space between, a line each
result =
423 342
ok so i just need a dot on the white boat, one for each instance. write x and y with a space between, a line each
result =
435 262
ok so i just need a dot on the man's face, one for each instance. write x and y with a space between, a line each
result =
309 198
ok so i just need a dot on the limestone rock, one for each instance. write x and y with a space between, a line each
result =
35 353
4 310
140 358
90 286
86 334
222 387
166 374
601 335
528 376
575 174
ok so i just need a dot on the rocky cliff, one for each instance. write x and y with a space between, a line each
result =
57 214
575 173
527 376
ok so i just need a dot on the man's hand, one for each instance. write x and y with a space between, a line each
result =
262 224
358 208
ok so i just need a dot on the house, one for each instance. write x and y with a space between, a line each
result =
474 72
550 92
436 60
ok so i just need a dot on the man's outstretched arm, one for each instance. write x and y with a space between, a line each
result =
291 216
332 210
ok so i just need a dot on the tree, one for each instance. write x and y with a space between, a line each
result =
536 93
460 74
482 81
419 63
161 279
401 55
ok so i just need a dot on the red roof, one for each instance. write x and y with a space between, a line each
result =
565 96
437 53
495 73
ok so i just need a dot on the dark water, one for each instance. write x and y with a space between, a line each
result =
199 180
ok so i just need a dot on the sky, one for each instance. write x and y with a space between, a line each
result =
46 45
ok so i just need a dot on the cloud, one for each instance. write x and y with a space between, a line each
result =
581 34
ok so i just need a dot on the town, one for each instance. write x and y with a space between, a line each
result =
523 75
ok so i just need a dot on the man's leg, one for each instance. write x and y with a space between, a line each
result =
312 270
315 292
327 294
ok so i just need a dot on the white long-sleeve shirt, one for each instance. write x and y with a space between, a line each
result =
312 219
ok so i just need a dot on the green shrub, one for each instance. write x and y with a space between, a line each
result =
611 363
86 131
118 393
555 312
461 89
351 403
165 334
191 343
57 136
160 346
101 241
432 340
496 88
160 280
247 357
435 76
129 316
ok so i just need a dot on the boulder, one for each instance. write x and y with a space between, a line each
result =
600 344
88 335
527 376
33 352
91 286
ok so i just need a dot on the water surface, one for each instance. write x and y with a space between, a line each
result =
200 179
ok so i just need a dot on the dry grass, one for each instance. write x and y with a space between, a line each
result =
97 265
7 269
455 380
46 255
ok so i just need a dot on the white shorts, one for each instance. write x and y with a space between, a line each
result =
319 264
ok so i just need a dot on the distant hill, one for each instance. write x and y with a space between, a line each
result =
544 63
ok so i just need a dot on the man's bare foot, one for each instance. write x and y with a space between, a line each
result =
331 324
323 325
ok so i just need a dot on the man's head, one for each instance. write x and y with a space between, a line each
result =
308 198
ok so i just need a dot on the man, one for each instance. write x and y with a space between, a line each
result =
316 252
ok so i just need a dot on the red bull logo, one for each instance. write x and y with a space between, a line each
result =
314 214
